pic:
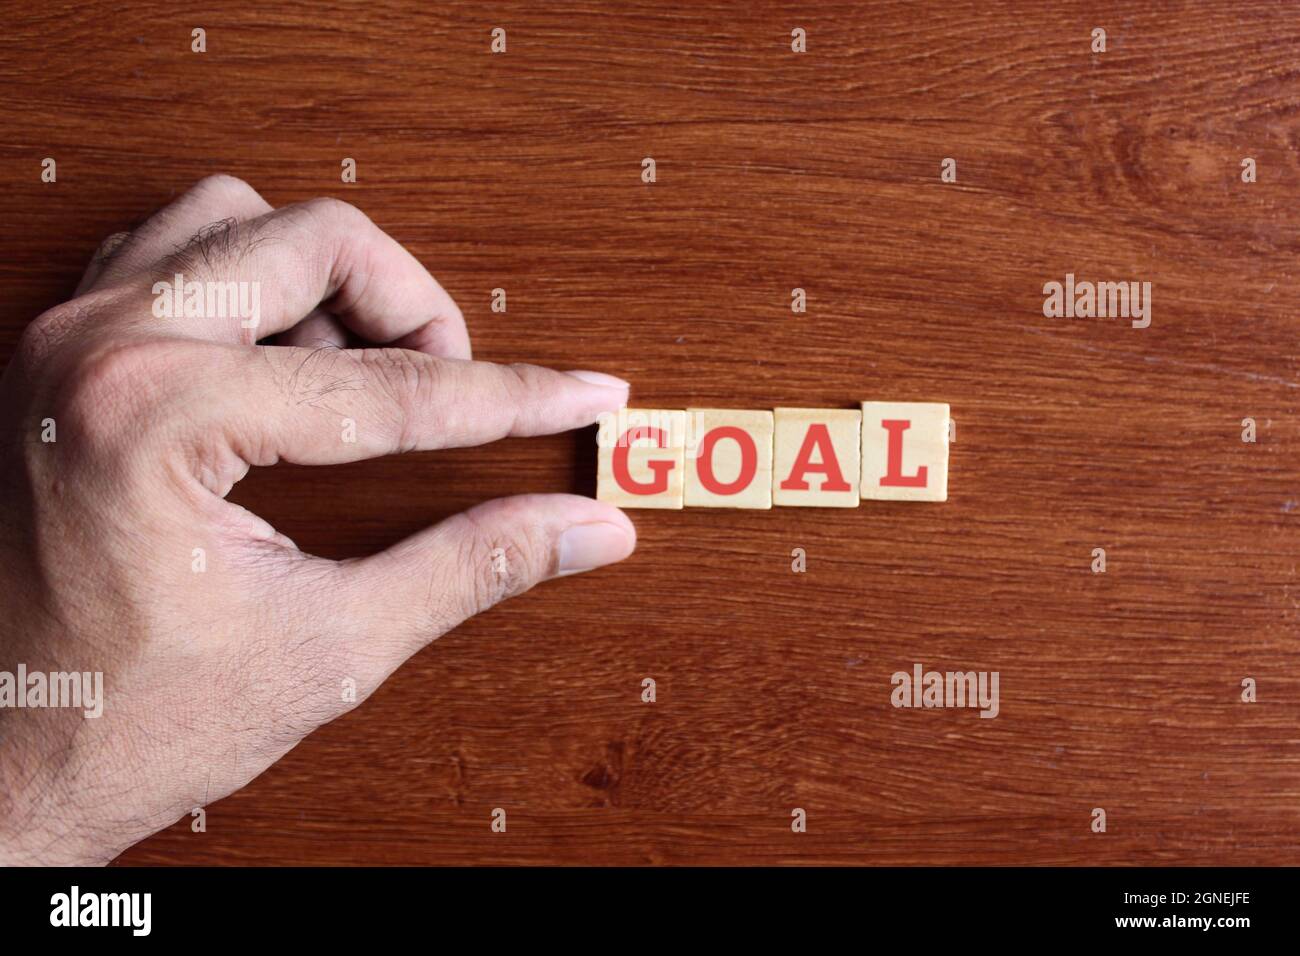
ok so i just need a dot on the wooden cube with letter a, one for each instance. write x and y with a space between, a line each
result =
815 462
640 454
728 458
905 451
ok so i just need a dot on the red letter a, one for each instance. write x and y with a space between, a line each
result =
818 438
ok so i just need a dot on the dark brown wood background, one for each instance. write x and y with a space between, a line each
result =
775 170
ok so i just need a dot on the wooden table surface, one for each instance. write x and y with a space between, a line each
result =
775 170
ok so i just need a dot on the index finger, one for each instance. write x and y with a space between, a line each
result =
327 406
323 252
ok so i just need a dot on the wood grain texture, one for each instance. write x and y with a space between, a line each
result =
775 170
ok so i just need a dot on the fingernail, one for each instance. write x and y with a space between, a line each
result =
599 378
587 546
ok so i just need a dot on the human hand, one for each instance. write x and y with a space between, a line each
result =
220 643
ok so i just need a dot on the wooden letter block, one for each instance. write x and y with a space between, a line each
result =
816 461
905 451
640 456
728 458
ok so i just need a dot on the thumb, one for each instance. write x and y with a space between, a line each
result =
426 585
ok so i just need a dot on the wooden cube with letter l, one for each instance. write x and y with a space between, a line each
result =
905 451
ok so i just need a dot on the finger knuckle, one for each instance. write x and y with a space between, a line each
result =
222 186
107 393
408 382
110 247
332 210
520 382
47 332
511 389
498 564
